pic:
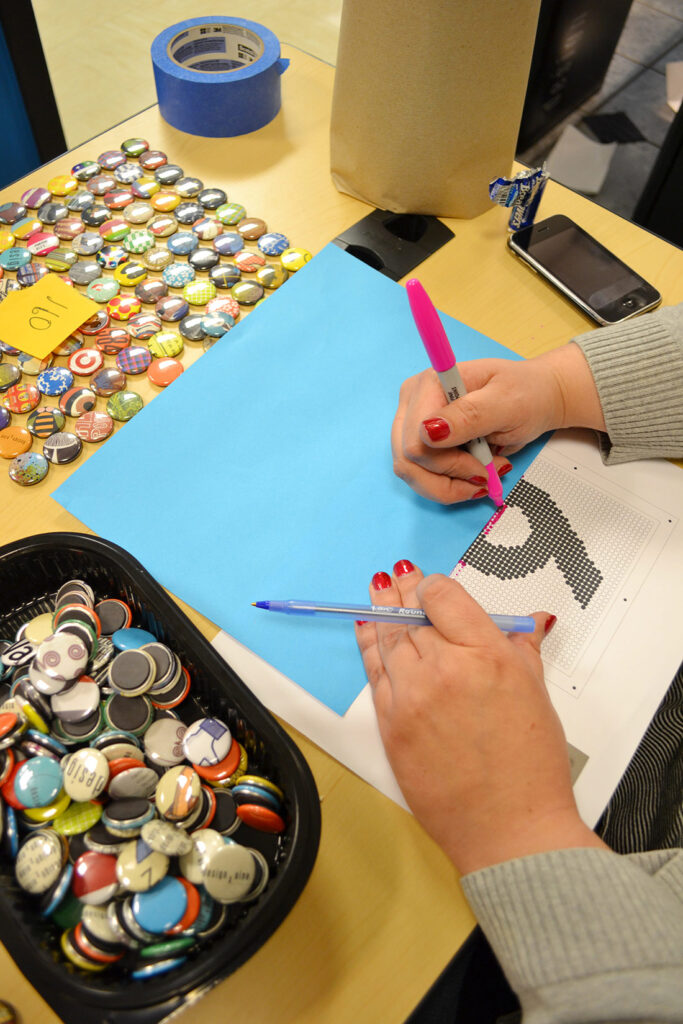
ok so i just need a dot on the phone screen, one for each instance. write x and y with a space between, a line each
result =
584 269
590 271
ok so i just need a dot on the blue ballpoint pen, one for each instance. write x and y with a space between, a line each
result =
379 613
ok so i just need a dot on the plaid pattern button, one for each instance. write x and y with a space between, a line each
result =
134 359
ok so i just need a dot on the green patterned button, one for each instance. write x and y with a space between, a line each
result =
139 240
60 259
198 293
102 289
134 147
165 343
77 818
124 405
230 213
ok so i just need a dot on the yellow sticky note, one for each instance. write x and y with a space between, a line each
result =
38 319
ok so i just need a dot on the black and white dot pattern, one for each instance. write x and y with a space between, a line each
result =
563 545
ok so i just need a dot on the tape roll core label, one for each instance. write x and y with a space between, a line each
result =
215 47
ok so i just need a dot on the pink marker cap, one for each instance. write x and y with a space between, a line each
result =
429 325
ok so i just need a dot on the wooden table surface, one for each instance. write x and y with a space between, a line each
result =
382 912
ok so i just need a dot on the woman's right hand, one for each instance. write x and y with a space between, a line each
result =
508 402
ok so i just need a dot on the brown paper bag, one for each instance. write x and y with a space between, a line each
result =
428 99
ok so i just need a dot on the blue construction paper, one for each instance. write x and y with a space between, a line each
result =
265 470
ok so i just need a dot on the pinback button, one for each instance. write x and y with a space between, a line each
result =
87 244
161 907
243 793
94 426
134 147
134 359
247 293
21 397
124 405
28 469
189 212
78 818
111 159
95 880
40 861
252 228
31 274
132 714
166 343
198 293
145 187
272 276
85 361
211 198
62 655
84 272
192 911
99 839
163 372
75 732
215 325
130 273
95 216
81 201
9 376
62 184
139 867
230 213
108 381
77 703
69 228
263 783
205 843
127 813
38 781
182 243
261 818
100 184
114 614
44 683
35 197
5 417
207 228
32 365
152 159
225 818
164 201
162 225
45 421
95 323
229 873
157 259
77 400
123 307
112 340
132 672
273 243
53 896
178 793
163 742
191 327
14 441
144 325
138 212
85 170
139 781
114 229
177 275
118 199
40 243
112 256
54 381
151 291
172 308
131 638
176 695
38 628
86 774
62 447
167 665
229 243
225 275
166 838
207 741
50 213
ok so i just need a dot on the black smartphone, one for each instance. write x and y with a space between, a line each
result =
583 270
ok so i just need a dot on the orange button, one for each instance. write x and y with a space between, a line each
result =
14 441
164 371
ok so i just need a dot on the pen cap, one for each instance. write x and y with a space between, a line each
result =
429 325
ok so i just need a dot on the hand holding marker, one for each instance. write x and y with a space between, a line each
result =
441 356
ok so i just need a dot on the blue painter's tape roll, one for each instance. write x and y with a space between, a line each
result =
218 76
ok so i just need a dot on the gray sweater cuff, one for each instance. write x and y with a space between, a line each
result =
637 367
567 924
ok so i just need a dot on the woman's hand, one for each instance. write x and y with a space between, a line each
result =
468 726
508 402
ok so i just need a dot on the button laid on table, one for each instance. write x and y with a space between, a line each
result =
85 271
182 242
85 170
166 343
134 359
12 259
139 240
273 243
87 244
40 243
145 188
124 405
14 440
6 239
203 259
165 202
77 400
69 345
225 275
151 159
21 397
123 307
168 174
215 325
188 212
80 201
162 225
164 371
115 229
272 276
95 323
231 213
207 228
252 228
177 275
187 187
229 243
172 308
108 381
35 197
5 420
10 213
247 293
102 289
27 226
95 216
94 426
295 258
30 274
45 420
128 173
191 327
55 381
139 212
111 159
134 147
157 259
198 293
32 365
112 256
62 448
85 361
62 184
143 325
100 184
69 228
151 291
130 273
9 376
210 198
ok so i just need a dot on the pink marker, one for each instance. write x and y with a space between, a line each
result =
442 359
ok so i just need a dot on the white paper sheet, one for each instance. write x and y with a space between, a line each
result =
614 578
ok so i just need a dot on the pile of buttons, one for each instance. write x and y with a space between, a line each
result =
169 260
132 829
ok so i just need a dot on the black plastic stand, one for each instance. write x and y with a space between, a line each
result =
394 243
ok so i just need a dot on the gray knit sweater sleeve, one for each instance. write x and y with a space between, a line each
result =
587 935
638 371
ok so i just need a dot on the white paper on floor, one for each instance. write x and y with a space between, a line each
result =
578 162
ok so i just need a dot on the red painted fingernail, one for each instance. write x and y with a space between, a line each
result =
480 493
437 429
549 623
403 567
361 622
381 580
505 469
477 480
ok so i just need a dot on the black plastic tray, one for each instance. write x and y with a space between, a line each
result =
31 570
